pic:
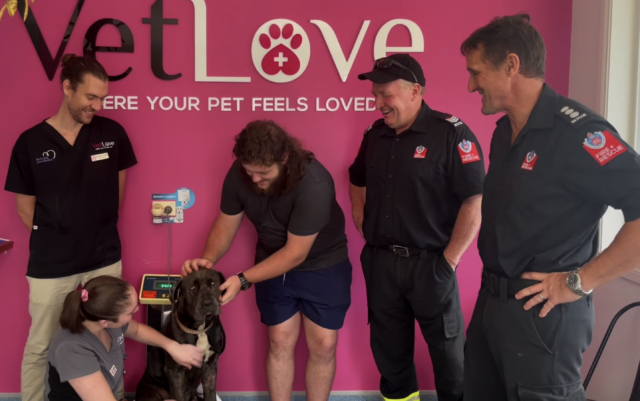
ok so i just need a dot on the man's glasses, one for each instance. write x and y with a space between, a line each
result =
385 63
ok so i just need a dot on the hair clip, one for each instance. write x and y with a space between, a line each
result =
85 295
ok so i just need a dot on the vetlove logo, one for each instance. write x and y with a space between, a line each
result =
280 50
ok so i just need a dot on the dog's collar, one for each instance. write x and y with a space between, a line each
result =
191 331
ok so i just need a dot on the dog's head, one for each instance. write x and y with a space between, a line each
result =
198 294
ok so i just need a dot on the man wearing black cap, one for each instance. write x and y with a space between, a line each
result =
415 191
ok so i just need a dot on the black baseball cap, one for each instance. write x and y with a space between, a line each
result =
396 66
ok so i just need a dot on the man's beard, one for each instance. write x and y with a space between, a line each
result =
77 115
276 187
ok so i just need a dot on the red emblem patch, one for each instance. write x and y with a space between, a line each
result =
529 160
468 152
420 153
603 146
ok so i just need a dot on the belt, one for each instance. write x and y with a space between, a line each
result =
502 286
403 250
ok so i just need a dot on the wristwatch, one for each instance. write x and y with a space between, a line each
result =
575 284
245 284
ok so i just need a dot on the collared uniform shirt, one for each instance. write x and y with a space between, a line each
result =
545 194
77 195
416 181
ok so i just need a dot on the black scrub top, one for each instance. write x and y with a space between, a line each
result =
416 181
77 195
545 194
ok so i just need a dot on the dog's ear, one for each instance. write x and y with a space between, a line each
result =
176 294
222 280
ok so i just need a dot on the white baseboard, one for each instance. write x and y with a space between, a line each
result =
354 393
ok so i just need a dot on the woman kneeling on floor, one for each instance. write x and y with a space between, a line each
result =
86 357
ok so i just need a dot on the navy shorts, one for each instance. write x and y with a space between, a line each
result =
323 296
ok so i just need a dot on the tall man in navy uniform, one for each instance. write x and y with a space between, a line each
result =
555 166
68 174
415 189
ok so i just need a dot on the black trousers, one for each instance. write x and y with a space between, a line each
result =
401 290
515 355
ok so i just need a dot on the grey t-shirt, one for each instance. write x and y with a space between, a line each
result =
76 355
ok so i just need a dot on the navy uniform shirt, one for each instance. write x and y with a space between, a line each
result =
416 181
77 195
545 194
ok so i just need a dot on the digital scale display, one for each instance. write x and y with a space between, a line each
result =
159 285
157 288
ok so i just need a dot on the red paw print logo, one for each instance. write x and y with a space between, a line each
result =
280 50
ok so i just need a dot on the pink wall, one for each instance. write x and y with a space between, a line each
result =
193 148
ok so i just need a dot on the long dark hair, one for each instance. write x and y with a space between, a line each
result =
106 298
265 143
75 67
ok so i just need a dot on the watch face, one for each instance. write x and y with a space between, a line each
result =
572 280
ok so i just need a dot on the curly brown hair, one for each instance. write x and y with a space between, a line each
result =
265 143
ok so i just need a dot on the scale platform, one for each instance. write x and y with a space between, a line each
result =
156 288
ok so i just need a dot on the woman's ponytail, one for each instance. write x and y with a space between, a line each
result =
71 318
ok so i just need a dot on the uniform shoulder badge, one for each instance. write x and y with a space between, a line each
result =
376 123
451 119
572 112
603 146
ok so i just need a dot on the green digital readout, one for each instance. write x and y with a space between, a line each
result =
160 285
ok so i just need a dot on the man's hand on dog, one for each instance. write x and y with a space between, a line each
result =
192 265
186 355
233 286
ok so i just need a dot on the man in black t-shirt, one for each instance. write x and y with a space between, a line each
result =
302 269
68 176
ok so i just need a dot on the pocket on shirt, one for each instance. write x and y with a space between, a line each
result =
429 174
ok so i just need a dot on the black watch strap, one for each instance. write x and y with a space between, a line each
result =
245 284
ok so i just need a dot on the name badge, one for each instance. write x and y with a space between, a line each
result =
98 157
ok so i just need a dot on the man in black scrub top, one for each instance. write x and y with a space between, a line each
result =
554 168
68 176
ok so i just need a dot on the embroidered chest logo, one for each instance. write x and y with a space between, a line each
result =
113 370
420 152
47 156
103 145
603 146
529 160
468 152
120 339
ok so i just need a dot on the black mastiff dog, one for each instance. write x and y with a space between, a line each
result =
194 319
